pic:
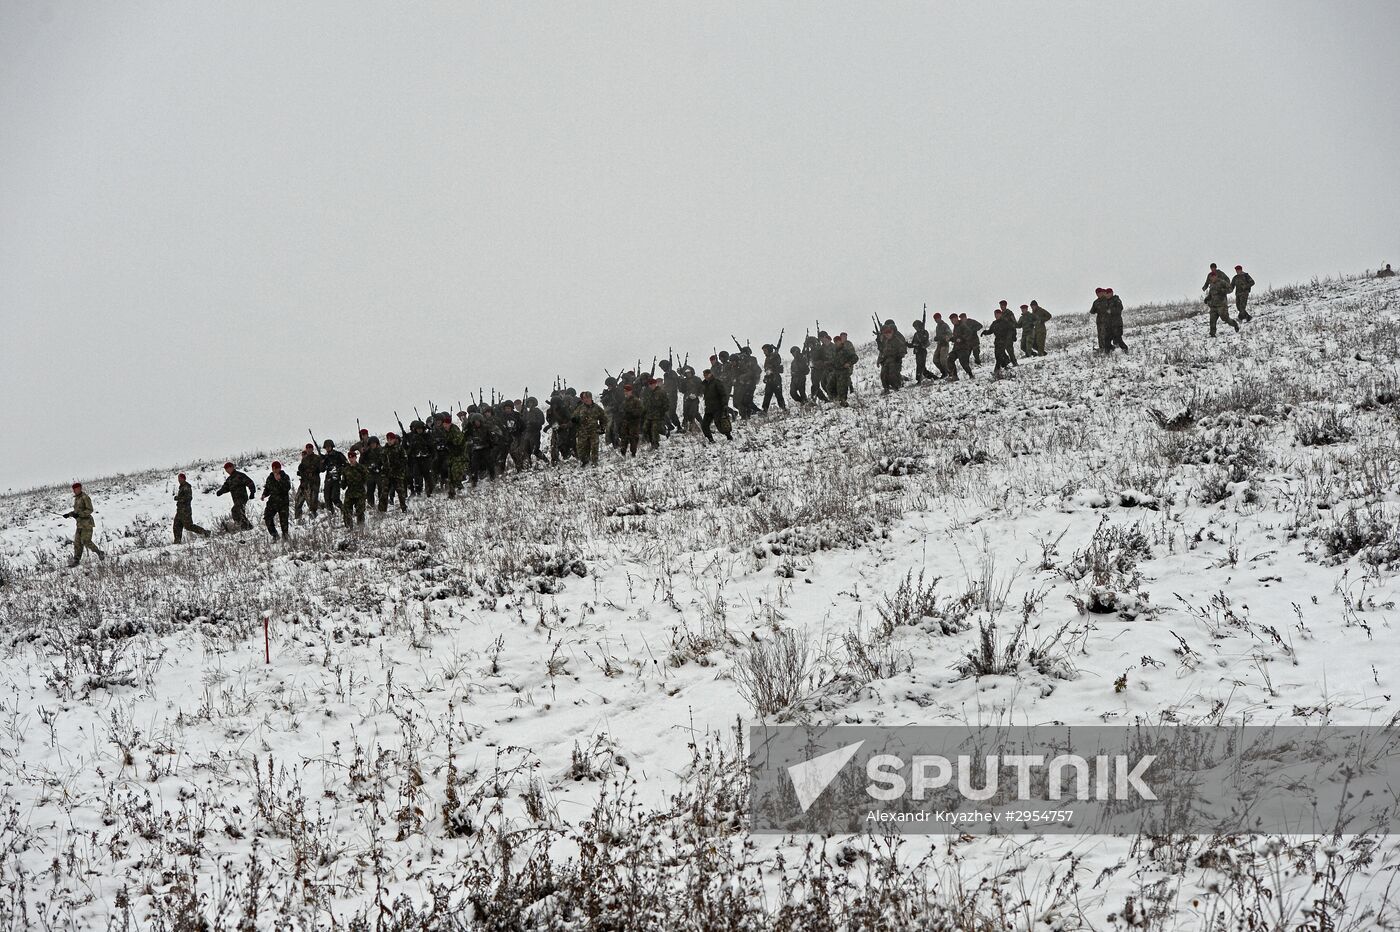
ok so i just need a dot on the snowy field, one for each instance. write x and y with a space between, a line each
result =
524 708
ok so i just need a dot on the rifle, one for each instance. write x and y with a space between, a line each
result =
653 367
459 404
686 361
819 326
925 320
313 439
402 432
736 342
780 340
605 372
416 415
670 357
876 321
357 427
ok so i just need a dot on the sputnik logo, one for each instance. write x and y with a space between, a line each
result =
811 777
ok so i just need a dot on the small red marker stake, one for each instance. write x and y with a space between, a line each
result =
267 644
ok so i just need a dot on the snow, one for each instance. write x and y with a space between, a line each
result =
559 631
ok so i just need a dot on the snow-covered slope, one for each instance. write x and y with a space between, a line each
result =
551 669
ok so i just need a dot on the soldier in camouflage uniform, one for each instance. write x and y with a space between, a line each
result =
965 340
1217 286
671 383
942 347
653 401
1003 332
356 484
589 421
892 348
184 510
716 395
1039 316
797 375
1386 272
240 488
393 473
369 449
630 432
1242 284
309 486
1026 324
477 434
456 443
772 377
611 399
84 525
918 342
556 417
277 492
332 465
843 362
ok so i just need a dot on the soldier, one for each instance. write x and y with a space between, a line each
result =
456 444
965 340
370 458
1113 328
557 417
240 488
1099 310
1217 286
942 340
1026 324
659 408
1003 332
184 510
919 342
821 356
477 433
277 492
360 443
772 377
611 399
82 518
1039 315
671 382
393 473
1386 272
843 362
309 486
356 481
797 387
1241 285
891 350
747 373
534 430
589 421
974 328
716 407
332 464
512 424
630 433
437 433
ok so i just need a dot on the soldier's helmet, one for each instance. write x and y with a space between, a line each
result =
372 441
796 351
570 391
918 325
767 347
532 402
723 354
416 425
746 350
823 335
508 404
687 370
610 381
664 365
329 444
462 415
889 324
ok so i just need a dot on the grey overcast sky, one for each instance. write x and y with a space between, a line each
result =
224 222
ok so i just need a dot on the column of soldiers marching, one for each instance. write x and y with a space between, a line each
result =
488 438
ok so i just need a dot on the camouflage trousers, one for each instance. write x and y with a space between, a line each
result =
1101 329
82 541
355 505
797 390
840 386
1038 340
890 375
1241 302
586 448
1027 341
308 494
921 364
651 429
390 486
962 355
184 521
239 515
773 390
819 378
331 488
628 438
1220 312
941 360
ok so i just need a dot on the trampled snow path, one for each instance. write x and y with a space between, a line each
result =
545 640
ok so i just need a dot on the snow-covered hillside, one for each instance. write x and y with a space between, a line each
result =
523 706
